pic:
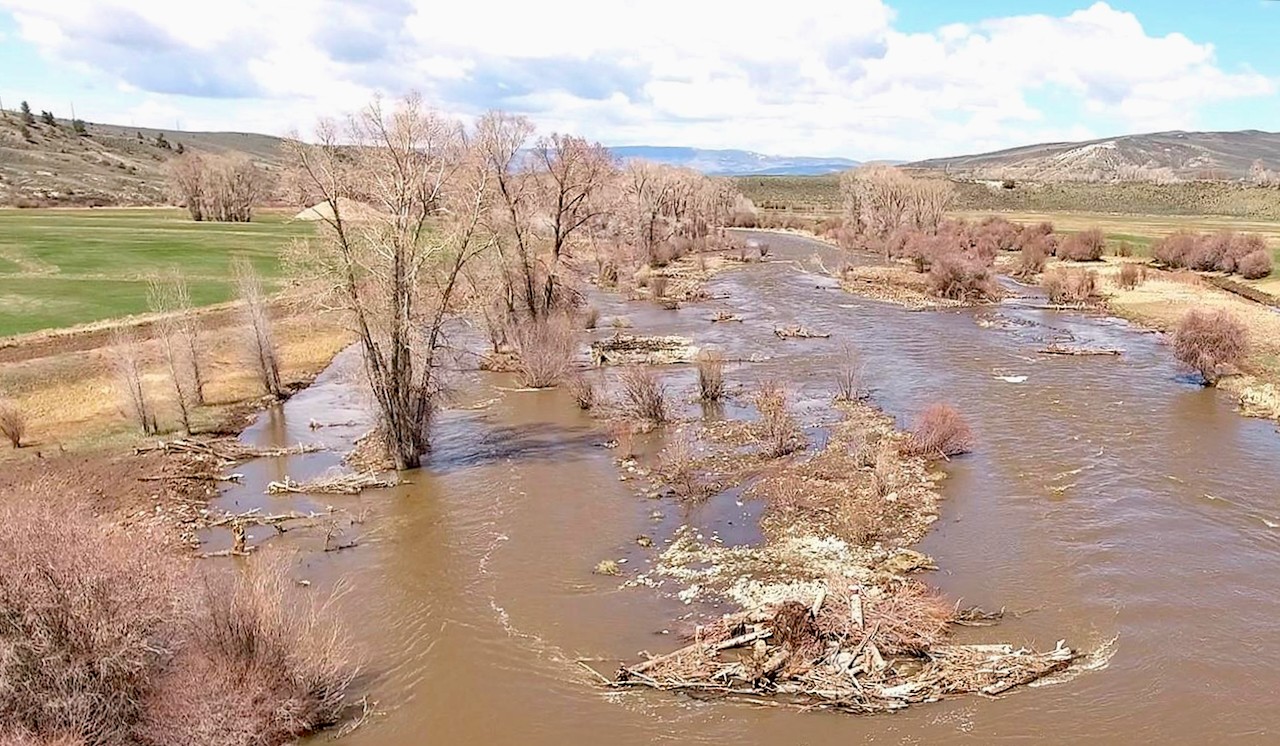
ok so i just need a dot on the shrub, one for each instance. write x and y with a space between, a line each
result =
658 286
1176 250
958 277
778 429
1085 246
1254 265
710 364
90 620
1209 251
545 350
678 468
1124 249
1131 275
643 395
849 377
591 317
1206 341
1032 258
1242 245
259 667
13 423
583 391
1070 285
939 432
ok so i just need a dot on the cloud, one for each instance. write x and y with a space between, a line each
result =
816 79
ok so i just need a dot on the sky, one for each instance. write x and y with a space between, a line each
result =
863 79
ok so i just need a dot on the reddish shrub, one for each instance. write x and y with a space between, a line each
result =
1206 341
710 364
545 351
1070 285
1177 249
1210 251
940 432
1005 235
1254 265
779 431
1032 258
954 275
1085 246
1242 244
643 395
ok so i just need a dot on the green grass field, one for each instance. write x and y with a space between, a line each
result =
60 268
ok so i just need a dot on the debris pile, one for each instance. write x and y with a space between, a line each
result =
799 332
336 484
630 349
852 648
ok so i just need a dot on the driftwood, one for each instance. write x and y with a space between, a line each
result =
629 349
226 450
725 316
799 332
1056 349
340 484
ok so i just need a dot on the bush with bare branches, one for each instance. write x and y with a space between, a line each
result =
710 365
954 275
1132 274
583 391
1085 246
778 428
678 468
1070 285
1254 265
1208 340
13 422
939 432
545 350
849 377
643 395
1031 258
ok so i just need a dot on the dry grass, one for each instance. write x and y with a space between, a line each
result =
710 365
643 395
1206 341
939 432
13 423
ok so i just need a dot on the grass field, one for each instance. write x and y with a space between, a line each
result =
62 267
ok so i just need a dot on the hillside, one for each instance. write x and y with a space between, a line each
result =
733 162
110 165
1160 157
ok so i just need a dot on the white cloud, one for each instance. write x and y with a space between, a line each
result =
818 78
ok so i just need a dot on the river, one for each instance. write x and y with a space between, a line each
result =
1111 502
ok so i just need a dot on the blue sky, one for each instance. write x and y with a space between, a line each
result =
858 78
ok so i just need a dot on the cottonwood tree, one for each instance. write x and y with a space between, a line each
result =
126 360
397 268
877 200
219 188
499 142
179 341
574 177
261 343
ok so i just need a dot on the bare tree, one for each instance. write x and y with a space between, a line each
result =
397 269
575 173
187 183
13 422
262 347
178 363
126 359
222 188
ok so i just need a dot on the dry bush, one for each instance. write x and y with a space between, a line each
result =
1085 246
1131 275
1070 285
956 276
13 422
261 666
544 350
710 364
607 276
643 395
778 428
1208 340
583 391
678 468
658 286
1032 258
849 377
1254 265
1176 249
642 276
1124 250
90 619
909 619
1004 234
591 318
1242 245
939 431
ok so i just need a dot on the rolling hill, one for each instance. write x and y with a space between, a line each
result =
734 162
1159 156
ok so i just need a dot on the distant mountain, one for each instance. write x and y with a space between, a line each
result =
1157 156
734 162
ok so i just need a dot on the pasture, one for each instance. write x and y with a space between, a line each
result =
63 267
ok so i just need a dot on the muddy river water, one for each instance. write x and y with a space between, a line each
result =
1110 502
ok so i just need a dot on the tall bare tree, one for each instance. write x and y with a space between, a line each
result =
397 269
261 343
574 177
177 365
499 141
126 360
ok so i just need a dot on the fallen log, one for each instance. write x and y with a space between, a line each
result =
1055 349
629 349
719 647
341 484
799 332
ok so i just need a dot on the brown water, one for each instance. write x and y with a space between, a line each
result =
1111 499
